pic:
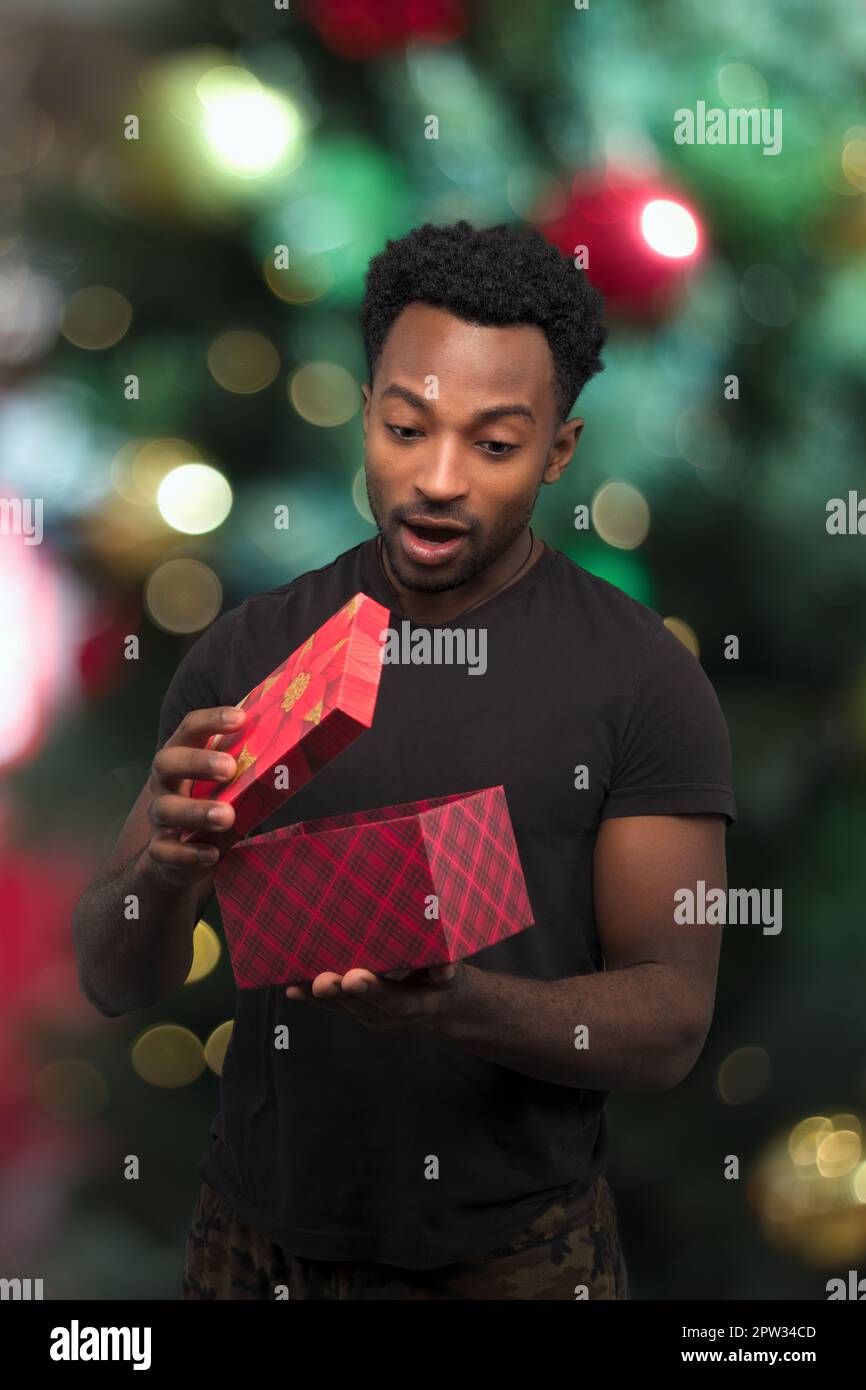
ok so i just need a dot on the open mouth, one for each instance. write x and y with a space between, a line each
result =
433 533
428 545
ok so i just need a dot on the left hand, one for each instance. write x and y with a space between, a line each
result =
387 1006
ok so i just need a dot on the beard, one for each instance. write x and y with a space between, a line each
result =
479 552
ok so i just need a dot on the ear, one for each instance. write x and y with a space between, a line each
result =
365 413
561 450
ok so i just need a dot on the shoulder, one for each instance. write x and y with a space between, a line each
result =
611 617
632 646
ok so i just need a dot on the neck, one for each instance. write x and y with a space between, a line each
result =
437 608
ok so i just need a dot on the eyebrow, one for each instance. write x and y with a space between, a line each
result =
481 417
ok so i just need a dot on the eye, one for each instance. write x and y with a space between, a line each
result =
402 431
497 447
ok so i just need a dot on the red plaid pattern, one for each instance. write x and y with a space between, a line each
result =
301 716
354 890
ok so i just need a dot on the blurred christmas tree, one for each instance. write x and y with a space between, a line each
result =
203 191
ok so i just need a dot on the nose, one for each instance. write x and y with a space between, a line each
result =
442 476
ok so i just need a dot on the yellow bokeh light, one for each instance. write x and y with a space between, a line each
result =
360 498
838 1153
249 129
194 498
96 317
183 595
854 163
806 1136
847 1120
620 515
217 1045
206 951
324 393
304 280
140 465
168 1056
686 634
743 1075
243 361
808 1191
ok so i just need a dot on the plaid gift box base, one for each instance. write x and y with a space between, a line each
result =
398 887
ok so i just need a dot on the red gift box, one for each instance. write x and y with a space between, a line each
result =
359 890
301 716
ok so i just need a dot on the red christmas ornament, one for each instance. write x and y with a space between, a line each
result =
362 28
641 236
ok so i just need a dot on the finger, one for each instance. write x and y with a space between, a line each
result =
198 725
373 992
175 812
181 863
326 985
443 975
326 992
362 982
177 764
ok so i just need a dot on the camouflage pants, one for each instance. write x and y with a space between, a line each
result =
570 1251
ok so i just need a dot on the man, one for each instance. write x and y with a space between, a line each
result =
443 1135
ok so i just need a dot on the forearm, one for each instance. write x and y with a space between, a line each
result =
613 1030
128 961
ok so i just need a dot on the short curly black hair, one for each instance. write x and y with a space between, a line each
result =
491 276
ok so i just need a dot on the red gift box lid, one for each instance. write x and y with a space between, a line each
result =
302 715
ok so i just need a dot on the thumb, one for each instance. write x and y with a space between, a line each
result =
442 974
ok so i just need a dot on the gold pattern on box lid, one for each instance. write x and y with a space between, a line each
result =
295 690
245 760
314 715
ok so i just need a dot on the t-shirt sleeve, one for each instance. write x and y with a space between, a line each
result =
198 681
674 756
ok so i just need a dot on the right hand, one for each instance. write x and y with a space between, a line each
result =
182 760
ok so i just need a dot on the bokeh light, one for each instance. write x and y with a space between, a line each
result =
183 595
669 228
304 280
217 1045
686 634
248 128
620 515
206 951
743 1075
168 1056
807 1191
359 496
96 317
140 465
838 1153
194 498
324 393
243 361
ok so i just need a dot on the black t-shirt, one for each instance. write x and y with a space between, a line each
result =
323 1146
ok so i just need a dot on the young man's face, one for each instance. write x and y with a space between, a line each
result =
460 427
